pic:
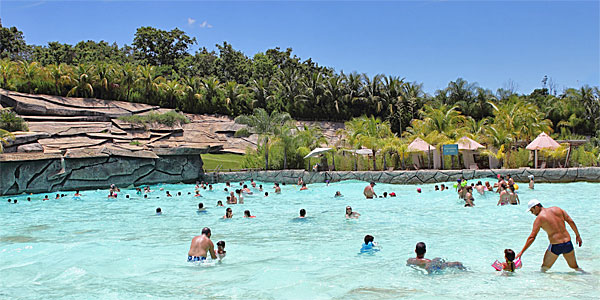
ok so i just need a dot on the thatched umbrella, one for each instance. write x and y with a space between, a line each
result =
419 145
542 141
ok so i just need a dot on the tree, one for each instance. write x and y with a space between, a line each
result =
372 133
265 125
12 43
83 82
5 137
232 65
159 47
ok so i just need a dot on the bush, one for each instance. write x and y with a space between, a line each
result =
581 157
9 121
519 158
135 143
170 119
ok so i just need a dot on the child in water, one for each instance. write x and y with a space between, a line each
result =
221 250
510 265
370 245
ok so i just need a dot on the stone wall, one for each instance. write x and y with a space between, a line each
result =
55 173
591 174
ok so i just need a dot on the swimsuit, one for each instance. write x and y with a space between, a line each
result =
562 248
195 258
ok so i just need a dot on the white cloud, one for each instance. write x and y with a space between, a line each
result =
191 21
205 25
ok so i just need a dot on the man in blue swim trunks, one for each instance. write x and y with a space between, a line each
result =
200 246
552 220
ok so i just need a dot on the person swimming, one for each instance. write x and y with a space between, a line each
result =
338 194
370 245
228 213
219 203
431 265
302 213
248 215
221 253
351 214
158 211
201 207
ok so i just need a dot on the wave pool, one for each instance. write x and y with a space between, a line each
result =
119 249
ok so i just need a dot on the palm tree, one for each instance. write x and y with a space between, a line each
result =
393 145
104 74
285 137
235 95
371 134
128 78
6 70
60 75
5 136
265 125
335 91
30 72
149 81
82 81
172 89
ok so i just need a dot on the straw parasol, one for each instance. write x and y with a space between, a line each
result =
419 145
465 143
542 141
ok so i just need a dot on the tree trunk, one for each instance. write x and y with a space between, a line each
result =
374 161
266 154
333 160
384 162
284 159
403 164
355 162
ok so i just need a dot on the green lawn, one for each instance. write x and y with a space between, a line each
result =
227 161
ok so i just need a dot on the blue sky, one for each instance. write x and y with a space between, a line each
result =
432 42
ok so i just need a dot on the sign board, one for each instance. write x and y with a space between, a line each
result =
450 149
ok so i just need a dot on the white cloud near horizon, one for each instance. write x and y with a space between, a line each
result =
205 25
191 21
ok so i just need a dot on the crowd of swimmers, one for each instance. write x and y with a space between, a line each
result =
551 219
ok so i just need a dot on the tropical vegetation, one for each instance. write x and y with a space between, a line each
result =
266 91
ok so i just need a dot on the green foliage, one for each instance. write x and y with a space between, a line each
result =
135 143
581 157
160 47
12 43
5 137
9 121
226 161
170 118
518 159
159 70
244 132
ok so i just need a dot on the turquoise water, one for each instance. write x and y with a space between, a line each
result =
118 249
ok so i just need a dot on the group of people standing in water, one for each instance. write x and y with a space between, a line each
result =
552 220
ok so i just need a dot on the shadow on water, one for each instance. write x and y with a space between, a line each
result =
17 239
379 293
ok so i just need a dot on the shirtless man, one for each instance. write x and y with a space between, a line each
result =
200 246
428 264
369 192
479 187
552 220
531 183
